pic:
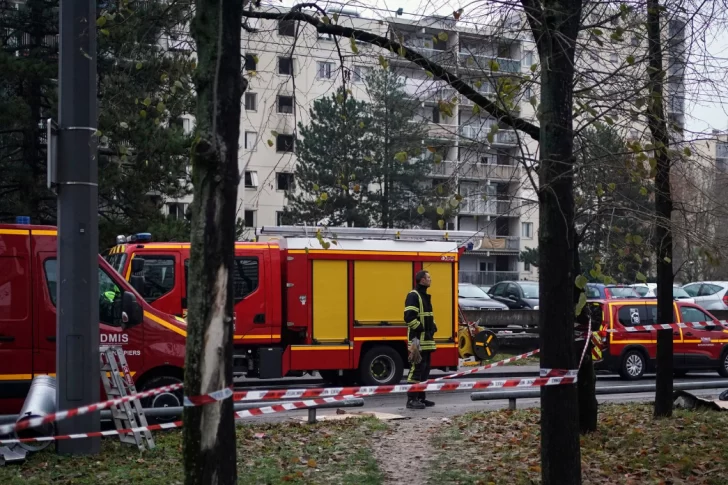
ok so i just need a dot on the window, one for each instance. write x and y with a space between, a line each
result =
708 290
635 41
528 59
361 73
280 218
284 181
325 69
592 292
629 316
251 101
176 211
498 290
116 261
287 28
109 293
526 266
188 125
285 66
249 218
527 230
692 290
690 314
245 277
251 179
251 138
284 143
435 114
251 62
613 57
158 276
285 104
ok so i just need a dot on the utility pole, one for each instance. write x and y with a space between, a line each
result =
77 347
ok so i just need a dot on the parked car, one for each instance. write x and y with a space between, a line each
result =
485 288
599 291
711 295
470 297
517 295
649 290
631 354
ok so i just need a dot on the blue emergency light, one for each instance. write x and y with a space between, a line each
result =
141 237
25 220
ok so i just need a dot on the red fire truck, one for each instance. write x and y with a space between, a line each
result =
307 301
152 341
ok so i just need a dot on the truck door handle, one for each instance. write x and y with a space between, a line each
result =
51 339
689 334
259 318
6 338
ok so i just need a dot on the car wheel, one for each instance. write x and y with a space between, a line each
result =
163 400
633 365
723 370
381 366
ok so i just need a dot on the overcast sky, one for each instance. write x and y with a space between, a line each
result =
707 102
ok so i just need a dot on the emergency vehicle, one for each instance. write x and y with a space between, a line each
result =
308 300
152 341
631 354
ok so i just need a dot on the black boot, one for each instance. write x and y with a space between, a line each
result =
413 402
424 401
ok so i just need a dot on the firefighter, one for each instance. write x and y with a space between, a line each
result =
421 330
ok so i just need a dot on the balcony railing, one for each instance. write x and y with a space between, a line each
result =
476 170
427 90
439 130
487 278
473 205
435 55
478 61
500 243
480 133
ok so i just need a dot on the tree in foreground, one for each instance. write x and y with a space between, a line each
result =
209 431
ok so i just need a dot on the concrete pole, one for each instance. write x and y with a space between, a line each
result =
77 352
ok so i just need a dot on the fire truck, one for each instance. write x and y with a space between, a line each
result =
313 299
153 342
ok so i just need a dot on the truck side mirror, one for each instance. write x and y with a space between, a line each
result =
131 311
137 265
137 280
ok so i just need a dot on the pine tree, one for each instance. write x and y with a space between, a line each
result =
334 169
400 162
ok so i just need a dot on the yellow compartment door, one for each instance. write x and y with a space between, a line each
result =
330 301
380 290
443 298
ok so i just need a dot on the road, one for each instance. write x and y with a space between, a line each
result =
453 403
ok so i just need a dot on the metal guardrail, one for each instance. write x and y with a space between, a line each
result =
512 396
169 412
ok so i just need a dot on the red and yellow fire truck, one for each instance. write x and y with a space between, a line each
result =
307 301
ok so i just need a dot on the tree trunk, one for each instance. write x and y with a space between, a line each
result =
587 380
663 199
555 23
209 431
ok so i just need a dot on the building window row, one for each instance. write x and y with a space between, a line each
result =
284 181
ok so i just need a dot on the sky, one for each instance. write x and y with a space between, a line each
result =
706 83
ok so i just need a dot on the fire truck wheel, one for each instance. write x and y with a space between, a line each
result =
723 370
633 365
163 400
381 366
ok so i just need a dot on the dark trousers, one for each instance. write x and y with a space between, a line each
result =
419 373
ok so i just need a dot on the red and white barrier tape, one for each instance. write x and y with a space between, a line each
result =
70 413
668 326
488 366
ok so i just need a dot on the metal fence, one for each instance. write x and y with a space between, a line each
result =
487 278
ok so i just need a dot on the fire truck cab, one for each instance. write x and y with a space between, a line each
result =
321 300
152 341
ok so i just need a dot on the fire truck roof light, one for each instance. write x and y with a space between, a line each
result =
143 237
120 239
24 220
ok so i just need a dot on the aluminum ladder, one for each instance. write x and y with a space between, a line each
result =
118 383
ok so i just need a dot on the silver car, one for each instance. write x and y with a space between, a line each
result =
471 297
711 295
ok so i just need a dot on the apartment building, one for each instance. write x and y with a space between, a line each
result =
294 67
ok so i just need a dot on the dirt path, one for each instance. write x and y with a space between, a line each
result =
403 451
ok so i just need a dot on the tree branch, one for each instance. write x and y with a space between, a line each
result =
438 72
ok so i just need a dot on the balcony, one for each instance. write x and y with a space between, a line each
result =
476 206
477 171
486 90
479 133
487 278
483 62
439 130
439 56
427 90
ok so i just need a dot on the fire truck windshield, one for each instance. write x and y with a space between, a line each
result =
116 261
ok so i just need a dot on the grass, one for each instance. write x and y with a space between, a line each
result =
336 452
533 360
629 448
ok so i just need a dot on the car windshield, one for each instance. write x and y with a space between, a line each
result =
641 290
622 292
530 291
679 293
467 291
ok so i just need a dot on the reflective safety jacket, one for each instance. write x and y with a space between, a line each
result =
419 318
